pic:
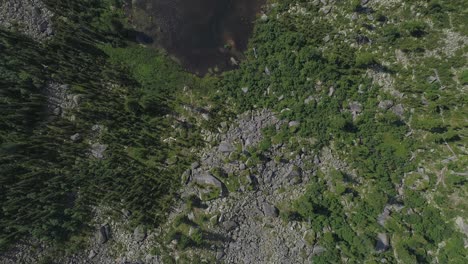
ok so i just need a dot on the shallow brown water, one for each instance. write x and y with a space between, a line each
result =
201 34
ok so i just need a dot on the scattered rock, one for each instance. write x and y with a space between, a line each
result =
318 249
382 218
139 234
59 99
57 111
385 104
219 254
242 166
270 210
246 217
76 99
398 110
225 147
97 150
97 128
234 61
326 9
462 225
331 91
191 216
195 165
308 99
205 116
431 79
361 40
355 108
316 160
92 254
294 123
31 18
186 176
126 213
75 137
103 234
294 175
207 179
230 225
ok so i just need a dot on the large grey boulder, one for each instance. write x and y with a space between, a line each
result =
382 218
326 9
382 242
318 249
398 110
294 175
139 234
97 150
126 213
195 165
230 225
219 254
293 123
103 234
186 176
308 99
207 179
75 137
431 79
270 210
385 104
225 147
355 108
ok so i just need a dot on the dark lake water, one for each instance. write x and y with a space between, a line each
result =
201 34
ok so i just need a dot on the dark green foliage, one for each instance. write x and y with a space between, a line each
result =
415 28
49 184
365 59
464 77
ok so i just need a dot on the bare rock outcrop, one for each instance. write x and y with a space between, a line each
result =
30 17
248 217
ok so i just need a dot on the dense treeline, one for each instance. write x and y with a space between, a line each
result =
49 184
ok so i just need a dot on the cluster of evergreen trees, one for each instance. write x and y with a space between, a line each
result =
48 183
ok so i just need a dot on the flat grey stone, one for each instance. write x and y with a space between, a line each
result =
207 179
270 210
225 147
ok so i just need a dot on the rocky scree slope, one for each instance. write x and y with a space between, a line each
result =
31 17
246 211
